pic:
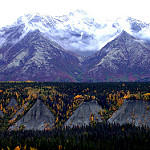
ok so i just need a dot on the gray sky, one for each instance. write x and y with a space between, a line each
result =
10 10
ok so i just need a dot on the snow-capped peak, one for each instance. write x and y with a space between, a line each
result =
76 31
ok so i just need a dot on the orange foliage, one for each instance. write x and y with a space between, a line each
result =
60 147
147 94
32 148
78 97
17 148
29 81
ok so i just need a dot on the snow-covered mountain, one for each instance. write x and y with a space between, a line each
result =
37 47
77 31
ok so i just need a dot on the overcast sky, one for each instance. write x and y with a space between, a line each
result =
10 10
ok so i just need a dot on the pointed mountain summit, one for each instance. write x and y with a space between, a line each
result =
37 58
123 59
86 112
1 114
12 103
132 111
124 35
39 117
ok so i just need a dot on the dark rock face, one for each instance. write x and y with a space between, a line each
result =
132 111
1 114
36 58
84 112
12 103
123 59
39 117
136 25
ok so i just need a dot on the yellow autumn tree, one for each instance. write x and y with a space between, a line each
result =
32 148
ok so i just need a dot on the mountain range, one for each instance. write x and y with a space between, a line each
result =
76 48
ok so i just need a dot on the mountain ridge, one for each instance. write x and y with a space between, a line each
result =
122 57
35 55
36 118
77 31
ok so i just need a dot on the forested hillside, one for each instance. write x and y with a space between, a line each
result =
62 99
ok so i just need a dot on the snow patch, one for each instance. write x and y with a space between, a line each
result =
16 61
2 41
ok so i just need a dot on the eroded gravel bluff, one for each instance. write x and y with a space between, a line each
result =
39 117
83 114
132 111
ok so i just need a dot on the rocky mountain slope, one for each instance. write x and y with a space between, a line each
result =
123 59
39 117
86 112
136 112
36 58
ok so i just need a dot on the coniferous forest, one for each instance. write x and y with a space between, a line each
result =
63 99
